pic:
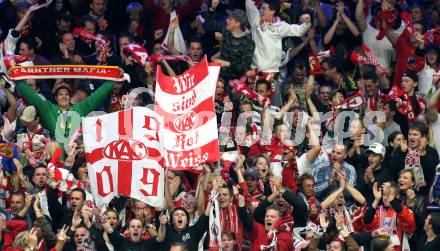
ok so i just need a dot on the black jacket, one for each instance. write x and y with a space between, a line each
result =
123 244
191 236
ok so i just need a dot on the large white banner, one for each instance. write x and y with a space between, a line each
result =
123 155
186 103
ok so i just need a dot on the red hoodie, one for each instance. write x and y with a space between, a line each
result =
260 240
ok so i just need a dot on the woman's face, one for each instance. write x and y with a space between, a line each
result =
157 49
262 167
406 181
112 219
228 243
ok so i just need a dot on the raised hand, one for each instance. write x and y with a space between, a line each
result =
62 235
163 219
305 18
377 192
174 23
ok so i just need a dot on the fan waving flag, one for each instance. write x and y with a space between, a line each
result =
186 103
123 155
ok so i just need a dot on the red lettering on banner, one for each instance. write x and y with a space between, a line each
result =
152 123
183 82
100 181
185 103
180 160
182 141
154 183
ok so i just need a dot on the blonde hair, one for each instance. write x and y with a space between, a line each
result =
21 240
413 175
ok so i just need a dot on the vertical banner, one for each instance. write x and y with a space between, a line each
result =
123 155
186 103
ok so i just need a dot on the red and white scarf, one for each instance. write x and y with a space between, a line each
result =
215 227
241 87
404 103
412 161
370 58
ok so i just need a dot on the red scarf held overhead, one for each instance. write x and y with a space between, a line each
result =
405 105
389 16
241 87
370 58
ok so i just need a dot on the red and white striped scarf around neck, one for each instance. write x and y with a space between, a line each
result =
412 161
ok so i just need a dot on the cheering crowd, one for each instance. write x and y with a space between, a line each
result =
328 116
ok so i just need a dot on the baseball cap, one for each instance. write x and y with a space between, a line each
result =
251 172
377 148
62 86
412 75
29 114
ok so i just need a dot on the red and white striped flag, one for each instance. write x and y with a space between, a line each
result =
123 155
186 102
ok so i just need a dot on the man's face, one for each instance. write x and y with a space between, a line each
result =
416 14
308 187
123 42
266 13
40 177
64 25
414 137
335 246
231 24
90 27
224 197
388 113
69 42
80 235
339 202
117 87
251 183
371 87
299 75
25 51
76 200
17 203
338 153
135 230
408 84
324 94
195 51
272 216
99 7
374 160
327 71
262 89
432 57
112 219
63 98
180 220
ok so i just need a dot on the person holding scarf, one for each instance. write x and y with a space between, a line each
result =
392 216
418 156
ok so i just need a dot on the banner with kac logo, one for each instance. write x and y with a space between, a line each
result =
186 103
124 155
